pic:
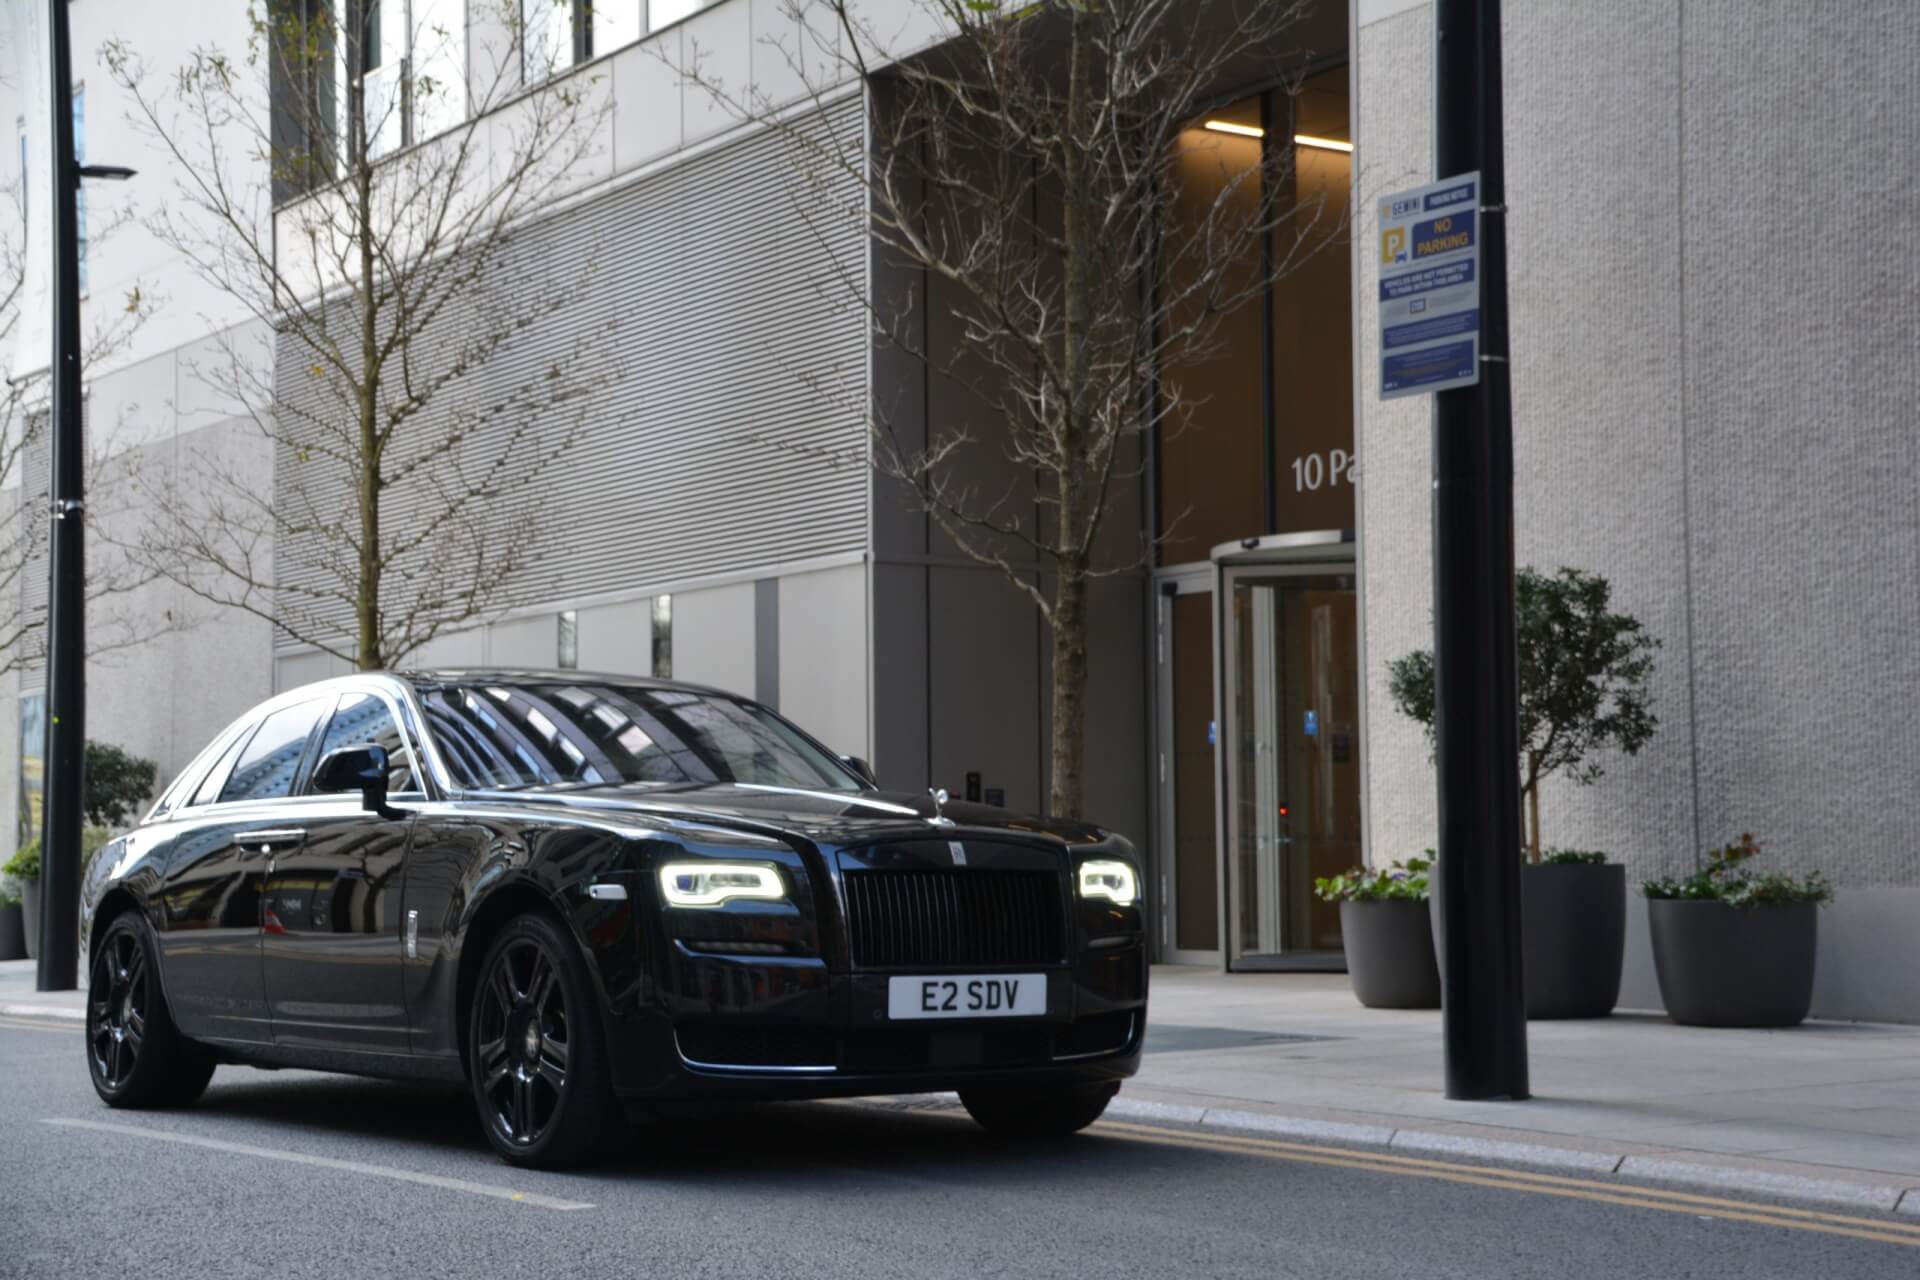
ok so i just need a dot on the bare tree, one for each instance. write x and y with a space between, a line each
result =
1029 168
112 576
360 188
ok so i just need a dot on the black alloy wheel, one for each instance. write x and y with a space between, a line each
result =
539 1078
135 1057
1051 1112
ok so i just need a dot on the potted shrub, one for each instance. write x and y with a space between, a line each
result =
1735 949
13 937
1585 672
24 869
1388 932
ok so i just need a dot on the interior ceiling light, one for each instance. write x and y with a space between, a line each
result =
1242 130
1325 144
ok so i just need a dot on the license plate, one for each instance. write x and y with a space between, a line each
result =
1000 995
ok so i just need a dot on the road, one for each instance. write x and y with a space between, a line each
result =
292 1174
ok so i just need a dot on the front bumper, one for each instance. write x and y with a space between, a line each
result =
794 1028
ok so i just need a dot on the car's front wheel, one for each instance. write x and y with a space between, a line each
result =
135 1055
1051 1112
539 1076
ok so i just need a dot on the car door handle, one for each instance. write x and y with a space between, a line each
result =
268 838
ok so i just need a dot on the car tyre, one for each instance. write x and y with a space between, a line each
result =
1052 1112
136 1057
536 1063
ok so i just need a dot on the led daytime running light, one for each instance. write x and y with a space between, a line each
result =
712 884
1112 880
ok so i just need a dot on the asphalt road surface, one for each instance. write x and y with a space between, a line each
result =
291 1174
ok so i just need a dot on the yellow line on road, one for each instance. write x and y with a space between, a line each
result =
1624 1194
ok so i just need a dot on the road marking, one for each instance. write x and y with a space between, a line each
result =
28 1024
325 1162
1624 1194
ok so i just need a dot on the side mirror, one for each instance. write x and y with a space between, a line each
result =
360 767
862 768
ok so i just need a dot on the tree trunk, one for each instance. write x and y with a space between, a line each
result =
1067 751
366 603
1068 748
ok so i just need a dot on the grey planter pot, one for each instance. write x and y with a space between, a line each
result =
1722 966
1573 929
13 932
30 909
1390 954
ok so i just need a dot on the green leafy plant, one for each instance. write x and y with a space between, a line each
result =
25 863
1572 857
116 784
9 892
1585 682
1726 878
1403 880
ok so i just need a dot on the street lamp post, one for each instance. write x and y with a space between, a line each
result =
66 601
1476 688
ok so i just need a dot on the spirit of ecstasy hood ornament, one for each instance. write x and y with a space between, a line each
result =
939 819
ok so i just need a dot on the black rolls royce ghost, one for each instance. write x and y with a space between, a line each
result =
578 893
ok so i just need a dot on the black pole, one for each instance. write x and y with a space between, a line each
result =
66 607
1476 718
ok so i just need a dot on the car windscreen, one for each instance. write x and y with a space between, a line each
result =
518 736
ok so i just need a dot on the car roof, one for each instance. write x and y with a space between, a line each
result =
512 676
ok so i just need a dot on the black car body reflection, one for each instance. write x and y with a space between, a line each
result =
576 891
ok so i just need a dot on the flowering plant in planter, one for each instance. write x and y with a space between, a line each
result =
1726 879
1402 880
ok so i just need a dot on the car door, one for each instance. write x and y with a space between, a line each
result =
224 839
332 925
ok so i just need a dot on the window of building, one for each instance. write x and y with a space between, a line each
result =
557 34
1264 443
265 769
569 640
663 637
664 13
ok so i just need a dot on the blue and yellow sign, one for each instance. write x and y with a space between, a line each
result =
1430 288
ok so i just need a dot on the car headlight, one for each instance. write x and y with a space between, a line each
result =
1105 878
709 884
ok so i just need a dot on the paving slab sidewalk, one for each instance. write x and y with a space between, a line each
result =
1827 1111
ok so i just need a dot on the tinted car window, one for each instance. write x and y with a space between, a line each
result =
518 736
209 789
365 717
264 770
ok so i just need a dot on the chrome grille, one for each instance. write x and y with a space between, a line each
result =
953 918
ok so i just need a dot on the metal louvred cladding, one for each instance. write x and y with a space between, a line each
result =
726 434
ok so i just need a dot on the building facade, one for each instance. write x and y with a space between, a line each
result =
1715 360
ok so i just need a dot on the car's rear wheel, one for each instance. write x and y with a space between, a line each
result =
1051 1112
135 1055
539 1075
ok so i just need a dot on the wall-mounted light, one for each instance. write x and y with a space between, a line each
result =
1239 130
1324 144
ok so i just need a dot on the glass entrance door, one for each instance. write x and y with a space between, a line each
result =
1292 700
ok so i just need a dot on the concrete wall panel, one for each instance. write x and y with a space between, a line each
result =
713 637
823 656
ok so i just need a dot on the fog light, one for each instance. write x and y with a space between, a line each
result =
1114 881
709 884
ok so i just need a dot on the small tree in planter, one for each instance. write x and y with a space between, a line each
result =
1585 674
1735 949
1389 933
13 938
23 869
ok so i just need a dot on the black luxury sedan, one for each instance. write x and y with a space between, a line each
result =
578 893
